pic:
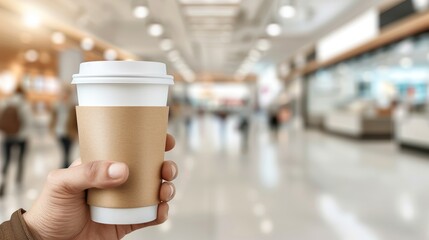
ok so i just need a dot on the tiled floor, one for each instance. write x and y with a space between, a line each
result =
304 185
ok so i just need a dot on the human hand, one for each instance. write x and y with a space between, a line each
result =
61 211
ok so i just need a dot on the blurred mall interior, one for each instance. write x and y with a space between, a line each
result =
294 119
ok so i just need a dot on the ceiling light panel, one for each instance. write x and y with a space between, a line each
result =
206 11
212 34
213 27
211 20
211 2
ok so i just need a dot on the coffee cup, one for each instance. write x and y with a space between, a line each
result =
122 116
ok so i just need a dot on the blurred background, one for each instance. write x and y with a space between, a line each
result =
294 119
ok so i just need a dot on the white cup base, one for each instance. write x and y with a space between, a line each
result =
123 215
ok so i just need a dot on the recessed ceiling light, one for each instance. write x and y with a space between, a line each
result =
87 44
421 5
141 12
32 19
274 29
31 55
58 38
266 226
287 11
155 29
110 54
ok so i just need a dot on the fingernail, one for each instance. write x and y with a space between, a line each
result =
173 170
116 170
171 191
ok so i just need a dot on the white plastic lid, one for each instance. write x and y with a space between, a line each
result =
122 72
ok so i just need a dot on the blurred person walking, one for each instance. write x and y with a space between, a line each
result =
15 121
273 122
64 123
244 126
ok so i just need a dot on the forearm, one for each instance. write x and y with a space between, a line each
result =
15 228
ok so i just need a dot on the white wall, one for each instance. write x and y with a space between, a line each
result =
352 34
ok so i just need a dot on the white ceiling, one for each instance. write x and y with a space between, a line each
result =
217 51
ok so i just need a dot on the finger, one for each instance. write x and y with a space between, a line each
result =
169 142
161 217
167 191
169 170
97 174
76 163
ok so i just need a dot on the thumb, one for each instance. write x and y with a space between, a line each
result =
97 174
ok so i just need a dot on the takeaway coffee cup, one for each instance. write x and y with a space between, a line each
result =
122 116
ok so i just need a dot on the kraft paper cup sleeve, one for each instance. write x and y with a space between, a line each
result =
133 135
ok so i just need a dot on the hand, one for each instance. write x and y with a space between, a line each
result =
61 211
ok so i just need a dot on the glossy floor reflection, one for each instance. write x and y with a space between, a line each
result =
297 185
